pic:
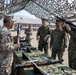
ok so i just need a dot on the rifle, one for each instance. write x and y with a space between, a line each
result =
30 64
73 27
18 34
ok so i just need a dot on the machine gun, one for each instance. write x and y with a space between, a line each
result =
73 27
30 64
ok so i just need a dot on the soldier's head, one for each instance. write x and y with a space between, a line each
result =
44 22
58 23
8 21
29 26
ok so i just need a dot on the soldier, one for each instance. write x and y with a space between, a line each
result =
58 41
28 33
6 46
42 36
72 48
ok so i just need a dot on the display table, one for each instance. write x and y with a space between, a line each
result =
29 53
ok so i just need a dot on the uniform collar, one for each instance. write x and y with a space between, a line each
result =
5 27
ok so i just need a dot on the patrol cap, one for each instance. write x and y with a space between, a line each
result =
57 20
43 19
29 24
8 18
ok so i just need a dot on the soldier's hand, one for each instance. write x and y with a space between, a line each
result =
68 27
45 38
18 45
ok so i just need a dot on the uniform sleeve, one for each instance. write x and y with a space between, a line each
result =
25 31
31 31
7 41
65 40
51 39
38 32
49 32
72 34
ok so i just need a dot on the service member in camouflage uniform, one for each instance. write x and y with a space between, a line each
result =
72 48
6 46
58 41
42 36
28 33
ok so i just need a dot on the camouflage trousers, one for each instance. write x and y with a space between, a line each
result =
43 45
57 52
72 59
6 60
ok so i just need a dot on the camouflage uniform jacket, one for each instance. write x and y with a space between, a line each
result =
72 43
6 51
6 41
28 33
72 50
42 32
58 39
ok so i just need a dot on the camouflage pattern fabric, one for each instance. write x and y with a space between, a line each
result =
72 50
6 51
6 60
28 33
58 42
42 32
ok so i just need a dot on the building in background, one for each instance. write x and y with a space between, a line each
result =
25 21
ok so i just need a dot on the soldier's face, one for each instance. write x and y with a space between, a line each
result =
44 23
58 25
10 24
29 27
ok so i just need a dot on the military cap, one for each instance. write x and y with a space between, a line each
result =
29 24
43 19
8 18
57 20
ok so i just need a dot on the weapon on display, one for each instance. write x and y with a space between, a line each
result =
37 70
73 27
30 64
18 34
